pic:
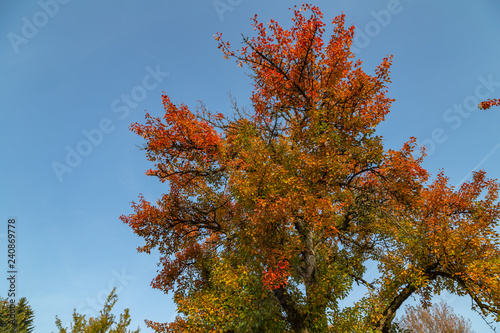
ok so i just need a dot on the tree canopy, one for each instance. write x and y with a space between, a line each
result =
272 215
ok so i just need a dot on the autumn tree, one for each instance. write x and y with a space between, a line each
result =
437 318
17 317
105 323
272 215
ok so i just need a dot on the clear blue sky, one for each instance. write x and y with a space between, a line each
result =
66 71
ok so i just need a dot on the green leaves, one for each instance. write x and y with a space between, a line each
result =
21 313
105 323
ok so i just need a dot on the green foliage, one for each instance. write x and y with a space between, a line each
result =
103 324
23 315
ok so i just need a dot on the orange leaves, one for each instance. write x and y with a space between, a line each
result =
174 270
446 237
223 46
462 219
295 72
489 103
183 147
292 48
179 135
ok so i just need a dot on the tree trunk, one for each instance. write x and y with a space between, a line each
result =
384 324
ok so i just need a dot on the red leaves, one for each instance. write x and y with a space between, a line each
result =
294 70
179 269
489 103
277 277
178 134
182 146
286 47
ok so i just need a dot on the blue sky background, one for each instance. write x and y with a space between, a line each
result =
70 73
